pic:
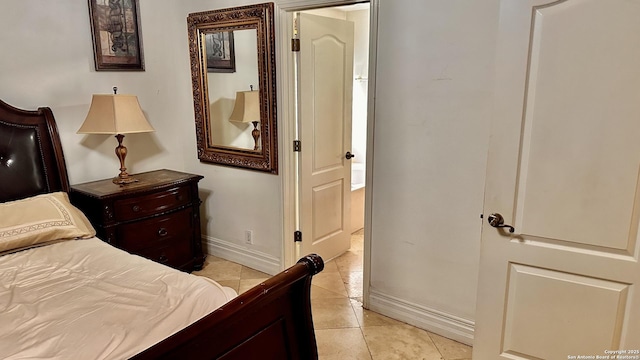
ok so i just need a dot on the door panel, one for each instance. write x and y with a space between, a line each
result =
572 299
327 212
574 102
329 54
563 169
326 81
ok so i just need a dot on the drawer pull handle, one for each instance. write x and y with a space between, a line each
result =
179 197
163 258
136 208
162 232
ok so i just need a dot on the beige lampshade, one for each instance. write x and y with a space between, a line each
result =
247 107
115 114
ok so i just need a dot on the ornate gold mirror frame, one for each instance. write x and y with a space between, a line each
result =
224 24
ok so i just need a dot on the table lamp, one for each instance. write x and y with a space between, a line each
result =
116 114
247 109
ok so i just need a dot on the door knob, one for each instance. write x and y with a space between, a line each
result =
497 221
349 155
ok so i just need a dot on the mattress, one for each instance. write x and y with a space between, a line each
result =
84 299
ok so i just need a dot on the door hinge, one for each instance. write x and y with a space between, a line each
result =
297 146
295 45
297 236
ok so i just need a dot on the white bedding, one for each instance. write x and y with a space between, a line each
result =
84 299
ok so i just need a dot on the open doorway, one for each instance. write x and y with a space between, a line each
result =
313 71
348 263
353 217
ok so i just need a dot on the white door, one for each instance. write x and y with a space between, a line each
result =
563 170
326 82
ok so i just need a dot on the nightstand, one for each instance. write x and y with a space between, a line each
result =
157 217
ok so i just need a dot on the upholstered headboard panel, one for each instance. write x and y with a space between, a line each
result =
31 158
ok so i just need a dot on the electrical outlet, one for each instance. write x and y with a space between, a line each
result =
248 237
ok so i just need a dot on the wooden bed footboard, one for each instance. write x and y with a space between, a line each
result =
270 321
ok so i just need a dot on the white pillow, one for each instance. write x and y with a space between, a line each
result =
41 219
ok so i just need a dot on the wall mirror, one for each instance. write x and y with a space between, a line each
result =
232 54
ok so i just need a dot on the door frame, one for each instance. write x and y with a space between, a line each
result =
289 129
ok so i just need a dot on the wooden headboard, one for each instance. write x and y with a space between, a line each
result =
31 158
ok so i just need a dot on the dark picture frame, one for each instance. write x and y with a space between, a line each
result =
221 57
115 30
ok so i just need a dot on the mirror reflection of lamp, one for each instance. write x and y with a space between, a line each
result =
247 110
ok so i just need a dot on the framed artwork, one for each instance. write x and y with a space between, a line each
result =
221 56
115 29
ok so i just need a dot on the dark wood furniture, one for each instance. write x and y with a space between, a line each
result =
157 217
270 321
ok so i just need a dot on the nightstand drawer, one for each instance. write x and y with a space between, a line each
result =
156 231
141 206
176 254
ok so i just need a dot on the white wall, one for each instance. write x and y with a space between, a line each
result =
432 111
48 61
234 200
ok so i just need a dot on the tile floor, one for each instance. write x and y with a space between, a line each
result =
344 330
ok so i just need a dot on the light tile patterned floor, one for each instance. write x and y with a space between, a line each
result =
344 330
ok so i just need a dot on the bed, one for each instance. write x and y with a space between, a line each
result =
66 294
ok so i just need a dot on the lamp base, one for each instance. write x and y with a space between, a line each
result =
124 180
256 135
121 151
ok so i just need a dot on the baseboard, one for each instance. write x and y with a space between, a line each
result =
229 251
435 321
